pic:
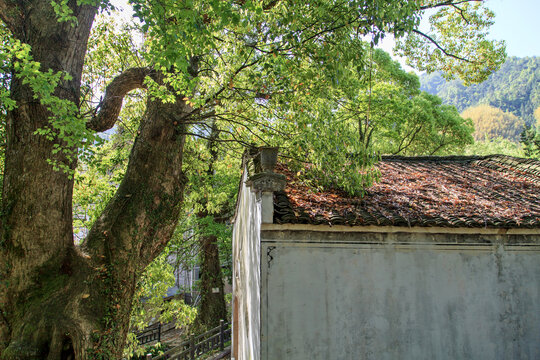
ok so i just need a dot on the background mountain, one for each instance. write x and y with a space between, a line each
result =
515 89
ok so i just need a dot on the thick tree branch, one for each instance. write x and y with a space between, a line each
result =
447 3
434 42
140 219
110 106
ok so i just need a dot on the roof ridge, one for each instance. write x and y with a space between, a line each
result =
434 157
510 164
456 158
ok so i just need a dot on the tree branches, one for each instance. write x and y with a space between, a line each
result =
140 218
445 52
110 106
447 3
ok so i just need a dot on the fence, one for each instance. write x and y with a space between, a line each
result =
150 334
157 332
196 346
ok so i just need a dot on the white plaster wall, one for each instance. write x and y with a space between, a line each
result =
419 300
246 268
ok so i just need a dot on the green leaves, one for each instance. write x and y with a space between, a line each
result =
456 43
236 57
65 126
530 139
63 12
339 128
150 305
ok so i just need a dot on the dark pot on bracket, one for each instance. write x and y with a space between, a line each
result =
268 156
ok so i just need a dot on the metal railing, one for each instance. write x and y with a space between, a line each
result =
149 334
198 345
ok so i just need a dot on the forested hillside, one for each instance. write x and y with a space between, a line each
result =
514 88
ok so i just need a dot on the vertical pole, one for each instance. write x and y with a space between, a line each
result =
221 334
192 347
159 333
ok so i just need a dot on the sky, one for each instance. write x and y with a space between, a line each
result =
516 21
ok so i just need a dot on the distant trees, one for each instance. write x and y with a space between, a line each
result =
492 122
530 137
514 88
505 108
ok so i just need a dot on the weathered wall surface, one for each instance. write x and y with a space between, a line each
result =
246 281
399 296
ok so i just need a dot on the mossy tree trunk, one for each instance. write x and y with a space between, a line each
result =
59 300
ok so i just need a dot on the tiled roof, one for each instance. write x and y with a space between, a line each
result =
456 191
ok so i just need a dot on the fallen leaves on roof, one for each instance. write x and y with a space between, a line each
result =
493 191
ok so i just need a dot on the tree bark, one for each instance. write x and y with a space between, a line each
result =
213 307
39 260
59 300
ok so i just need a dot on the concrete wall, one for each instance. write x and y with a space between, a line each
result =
246 280
399 296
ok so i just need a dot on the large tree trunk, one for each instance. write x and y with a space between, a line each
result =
40 264
213 307
59 300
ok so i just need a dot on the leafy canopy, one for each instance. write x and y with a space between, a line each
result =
228 60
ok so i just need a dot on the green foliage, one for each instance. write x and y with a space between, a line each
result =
110 51
492 146
514 88
490 122
155 350
214 192
8 46
224 56
6 103
530 139
537 117
374 108
149 304
460 29
66 127
214 174
113 47
407 121
64 13
97 178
